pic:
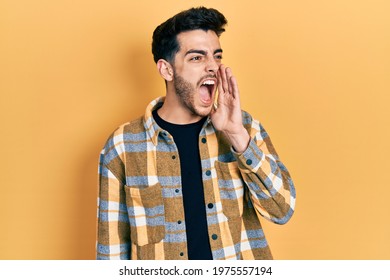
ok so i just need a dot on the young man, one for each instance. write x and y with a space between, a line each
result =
190 179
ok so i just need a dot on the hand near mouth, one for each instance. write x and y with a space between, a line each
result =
227 117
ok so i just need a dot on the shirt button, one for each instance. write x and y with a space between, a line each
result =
214 237
173 157
181 254
179 222
204 140
208 172
177 191
249 162
210 205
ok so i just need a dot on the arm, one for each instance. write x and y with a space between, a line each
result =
113 229
270 186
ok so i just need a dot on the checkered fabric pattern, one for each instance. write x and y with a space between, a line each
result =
140 204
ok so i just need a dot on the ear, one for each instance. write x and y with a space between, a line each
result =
165 69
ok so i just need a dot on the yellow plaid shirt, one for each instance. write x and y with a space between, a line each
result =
140 199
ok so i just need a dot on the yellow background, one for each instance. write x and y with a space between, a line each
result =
315 73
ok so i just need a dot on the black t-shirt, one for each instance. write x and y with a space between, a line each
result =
186 138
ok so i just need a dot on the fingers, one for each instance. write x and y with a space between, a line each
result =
231 81
227 83
234 87
223 79
220 83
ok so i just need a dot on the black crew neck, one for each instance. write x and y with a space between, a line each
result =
163 123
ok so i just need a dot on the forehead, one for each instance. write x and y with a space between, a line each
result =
198 39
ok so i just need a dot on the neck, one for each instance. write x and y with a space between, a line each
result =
174 111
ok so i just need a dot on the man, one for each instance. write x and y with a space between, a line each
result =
190 179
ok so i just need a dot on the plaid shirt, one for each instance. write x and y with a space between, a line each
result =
140 205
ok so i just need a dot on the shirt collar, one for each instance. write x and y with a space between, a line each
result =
150 124
151 127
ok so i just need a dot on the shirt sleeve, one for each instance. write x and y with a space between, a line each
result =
113 229
270 185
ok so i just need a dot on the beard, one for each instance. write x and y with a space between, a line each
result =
186 92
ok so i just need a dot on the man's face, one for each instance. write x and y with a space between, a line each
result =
195 70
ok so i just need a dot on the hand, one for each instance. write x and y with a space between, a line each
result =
227 116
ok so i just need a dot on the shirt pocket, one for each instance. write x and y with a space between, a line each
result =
231 188
146 213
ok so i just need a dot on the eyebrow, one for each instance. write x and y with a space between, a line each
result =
202 52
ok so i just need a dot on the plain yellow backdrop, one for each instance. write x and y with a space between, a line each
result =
315 73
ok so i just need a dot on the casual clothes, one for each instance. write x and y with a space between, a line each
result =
141 194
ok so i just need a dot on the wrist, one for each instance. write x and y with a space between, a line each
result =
239 140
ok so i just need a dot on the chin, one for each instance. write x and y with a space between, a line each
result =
203 111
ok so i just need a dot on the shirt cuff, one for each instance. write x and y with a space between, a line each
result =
250 160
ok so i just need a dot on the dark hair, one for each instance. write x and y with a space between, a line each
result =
165 44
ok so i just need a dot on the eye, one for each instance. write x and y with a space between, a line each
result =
218 56
196 58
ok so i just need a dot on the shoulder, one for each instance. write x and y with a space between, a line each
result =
254 127
248 121
246 117
133 127
125 133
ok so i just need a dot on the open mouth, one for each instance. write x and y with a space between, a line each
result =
207 89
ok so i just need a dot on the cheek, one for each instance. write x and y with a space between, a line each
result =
193 80
192 74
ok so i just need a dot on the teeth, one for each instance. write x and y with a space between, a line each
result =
209 82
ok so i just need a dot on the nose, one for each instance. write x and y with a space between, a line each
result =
212 65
